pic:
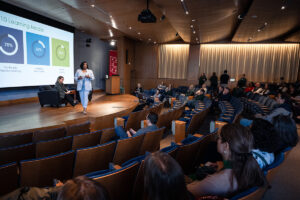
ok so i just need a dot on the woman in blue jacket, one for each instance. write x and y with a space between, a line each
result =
84 77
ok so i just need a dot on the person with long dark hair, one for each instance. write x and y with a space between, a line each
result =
240 170
64 93
164 179
84 77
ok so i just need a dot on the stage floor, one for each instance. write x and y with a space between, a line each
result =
31 116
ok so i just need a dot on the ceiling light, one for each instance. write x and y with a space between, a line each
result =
258 30
283 7
93 5
193 20
112 43
110 33
186 12
154 42
139 33
266 23
149 39
181 0
192 25
196 38
130 27
194 32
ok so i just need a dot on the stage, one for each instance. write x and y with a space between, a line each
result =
102 110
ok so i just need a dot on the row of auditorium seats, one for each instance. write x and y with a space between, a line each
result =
43 135
230 110
195 117
256 103
41 172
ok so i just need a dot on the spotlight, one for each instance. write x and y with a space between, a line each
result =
112 43
283 7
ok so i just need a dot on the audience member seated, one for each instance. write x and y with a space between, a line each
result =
226 96
266 142
267 90
240 170
191 91
151 121
64 94
286 128
158 96
258 89
164 179
161 86
284 108
250 87
204 87
292 91
138 90
82 188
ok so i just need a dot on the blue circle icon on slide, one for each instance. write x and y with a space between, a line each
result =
11 45
38 48
38 52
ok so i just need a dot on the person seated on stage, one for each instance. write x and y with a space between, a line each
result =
64 94
239 171
191 91
138 89
286 128
151 121
226 96
82 188
164 178
266 142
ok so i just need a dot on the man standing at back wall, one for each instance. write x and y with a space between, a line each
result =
224 79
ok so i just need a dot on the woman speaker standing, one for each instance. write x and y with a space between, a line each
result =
84 77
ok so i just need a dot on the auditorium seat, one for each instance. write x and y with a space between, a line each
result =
17 153
186 155
93 158
9 178
204 146
49 134
138 188
119 183
86 140
171 150
273 168
151 142
49 96
77 129
127 148
254 193
52 147
135 118
15 140
108 135
41 172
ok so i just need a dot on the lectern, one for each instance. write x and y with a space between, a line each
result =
113 85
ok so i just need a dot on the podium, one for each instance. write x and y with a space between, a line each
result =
113 85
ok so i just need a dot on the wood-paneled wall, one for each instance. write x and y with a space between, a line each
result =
146 67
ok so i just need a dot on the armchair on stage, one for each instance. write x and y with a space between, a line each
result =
49 95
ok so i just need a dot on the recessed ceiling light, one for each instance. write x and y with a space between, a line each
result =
149 39
93 5
266 23
186 12
181 0
283 7
258 30
130 27
154 42
139 33
193 20
192 25
196 38
194 32
112 43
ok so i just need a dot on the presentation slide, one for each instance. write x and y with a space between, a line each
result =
33 54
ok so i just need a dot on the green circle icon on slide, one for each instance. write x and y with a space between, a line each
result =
60 53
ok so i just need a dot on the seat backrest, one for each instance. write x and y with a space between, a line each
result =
17 153
274 167
41 172
138 188
171 150
127 148
254 193
93 158
53 147
15 140
135 118
196 122
186 155
49 134
77 129
151 142
204 147
9 178
119 183
86 140
108 135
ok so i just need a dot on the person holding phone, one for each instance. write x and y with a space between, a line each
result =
84 77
